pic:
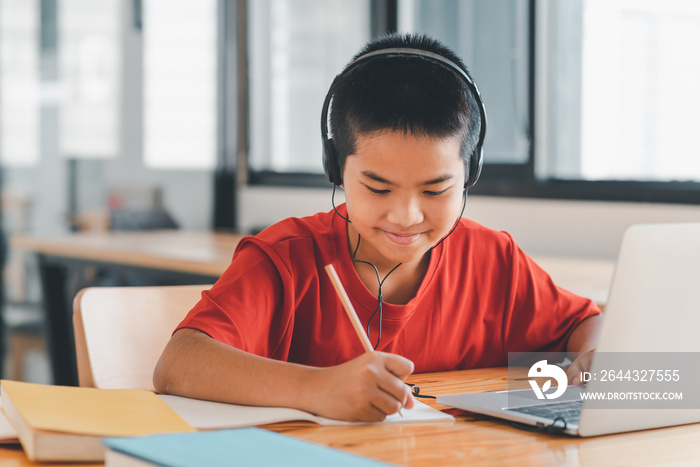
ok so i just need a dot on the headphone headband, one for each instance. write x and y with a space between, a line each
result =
476 159
409 51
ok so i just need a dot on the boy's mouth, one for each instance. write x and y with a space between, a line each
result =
402 239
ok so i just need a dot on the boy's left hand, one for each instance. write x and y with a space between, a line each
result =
582 363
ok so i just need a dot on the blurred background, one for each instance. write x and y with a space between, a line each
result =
204 114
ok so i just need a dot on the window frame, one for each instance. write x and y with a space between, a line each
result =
513 180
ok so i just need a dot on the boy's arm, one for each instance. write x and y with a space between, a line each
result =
583 342
366 388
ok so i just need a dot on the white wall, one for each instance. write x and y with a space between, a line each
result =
541 227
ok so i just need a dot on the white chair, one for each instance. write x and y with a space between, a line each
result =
120 332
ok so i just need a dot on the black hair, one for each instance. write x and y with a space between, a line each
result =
411 94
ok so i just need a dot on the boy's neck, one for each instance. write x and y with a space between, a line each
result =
403 283
365 252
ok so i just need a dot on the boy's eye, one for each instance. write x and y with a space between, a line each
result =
435 193
375 191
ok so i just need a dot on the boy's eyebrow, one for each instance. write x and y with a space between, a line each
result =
440 179
373 175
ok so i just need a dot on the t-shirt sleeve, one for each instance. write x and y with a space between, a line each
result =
539 315
245 307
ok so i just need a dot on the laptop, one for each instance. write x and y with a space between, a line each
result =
654 307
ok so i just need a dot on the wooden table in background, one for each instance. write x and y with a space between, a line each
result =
175 257
478 440
181 257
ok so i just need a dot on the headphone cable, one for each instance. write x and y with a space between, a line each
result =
464 205
336 209
380 296
380 281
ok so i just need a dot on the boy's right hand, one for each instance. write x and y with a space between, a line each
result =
365 389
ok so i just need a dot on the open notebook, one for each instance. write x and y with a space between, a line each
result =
206 415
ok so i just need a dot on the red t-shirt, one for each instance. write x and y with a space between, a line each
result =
481 298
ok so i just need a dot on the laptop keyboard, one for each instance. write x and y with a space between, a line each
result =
569 411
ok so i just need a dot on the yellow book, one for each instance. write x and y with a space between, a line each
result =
63 423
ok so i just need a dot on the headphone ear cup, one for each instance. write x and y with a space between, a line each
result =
476 162
330 163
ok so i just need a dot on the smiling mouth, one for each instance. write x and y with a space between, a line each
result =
402 239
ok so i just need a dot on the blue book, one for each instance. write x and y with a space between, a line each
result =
241 446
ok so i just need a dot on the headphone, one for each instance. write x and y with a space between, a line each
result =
476 159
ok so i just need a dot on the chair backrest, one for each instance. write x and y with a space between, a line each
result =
120 332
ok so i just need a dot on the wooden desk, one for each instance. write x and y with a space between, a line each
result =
176 257
180 258
476 440
479 440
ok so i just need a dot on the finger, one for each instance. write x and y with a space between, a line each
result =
573 373
386 403
397 365
410 402
395 388
579 365
372 414
392 373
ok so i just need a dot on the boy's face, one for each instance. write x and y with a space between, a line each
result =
403 194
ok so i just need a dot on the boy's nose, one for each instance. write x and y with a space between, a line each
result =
405 213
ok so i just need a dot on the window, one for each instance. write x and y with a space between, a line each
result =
491 37
89 72
19 82
180 83
296 49
623 100
586 99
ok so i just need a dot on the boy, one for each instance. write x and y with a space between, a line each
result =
435 291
